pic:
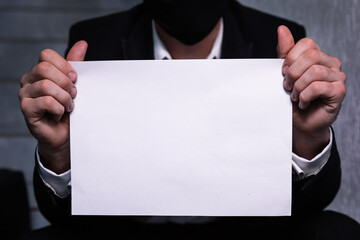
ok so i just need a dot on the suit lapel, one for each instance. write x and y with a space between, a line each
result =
139 44
234 44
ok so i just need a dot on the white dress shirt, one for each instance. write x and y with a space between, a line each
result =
302 168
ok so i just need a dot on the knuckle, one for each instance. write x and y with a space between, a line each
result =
309 77
22 79
59 109
21 93
64 65
51 104
318 71
68 84
64 83
317 87
62 98
292 73
291 57
338 63
309 43
343 77
24 105
48 101
45 54
44 86
342 90
340 77
313 53
42 68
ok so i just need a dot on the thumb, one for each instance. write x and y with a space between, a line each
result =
78 51
285 41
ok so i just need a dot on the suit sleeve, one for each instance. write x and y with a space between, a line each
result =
314 193
55 209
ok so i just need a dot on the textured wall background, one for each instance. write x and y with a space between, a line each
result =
27 27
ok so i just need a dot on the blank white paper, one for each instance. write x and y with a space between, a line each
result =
181 138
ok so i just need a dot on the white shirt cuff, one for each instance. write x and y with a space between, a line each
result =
305 168
58 183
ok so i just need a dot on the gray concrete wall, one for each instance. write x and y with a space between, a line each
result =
27 27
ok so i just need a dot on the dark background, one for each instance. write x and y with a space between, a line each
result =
27 27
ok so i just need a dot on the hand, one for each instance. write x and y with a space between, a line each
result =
46 97
317 88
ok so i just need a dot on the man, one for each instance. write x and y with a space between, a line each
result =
183 29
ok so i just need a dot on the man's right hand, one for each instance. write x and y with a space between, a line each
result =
46 97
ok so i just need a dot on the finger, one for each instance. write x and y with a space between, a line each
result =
77 52
45 70
316 73
35 108
51 56
331 93
47 88
285 44
300 47
285 41
309 58
24 79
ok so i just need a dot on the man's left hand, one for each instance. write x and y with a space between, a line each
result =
317 88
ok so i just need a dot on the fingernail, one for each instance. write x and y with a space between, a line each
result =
293 96
72 76
301 105
73 92
71 107
287 85
285 70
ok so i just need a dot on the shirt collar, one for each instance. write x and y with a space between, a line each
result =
160 51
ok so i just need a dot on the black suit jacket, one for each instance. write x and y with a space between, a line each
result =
247 34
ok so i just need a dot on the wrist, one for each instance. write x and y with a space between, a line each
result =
55 159
309 145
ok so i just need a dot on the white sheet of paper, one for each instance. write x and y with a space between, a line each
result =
181 137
